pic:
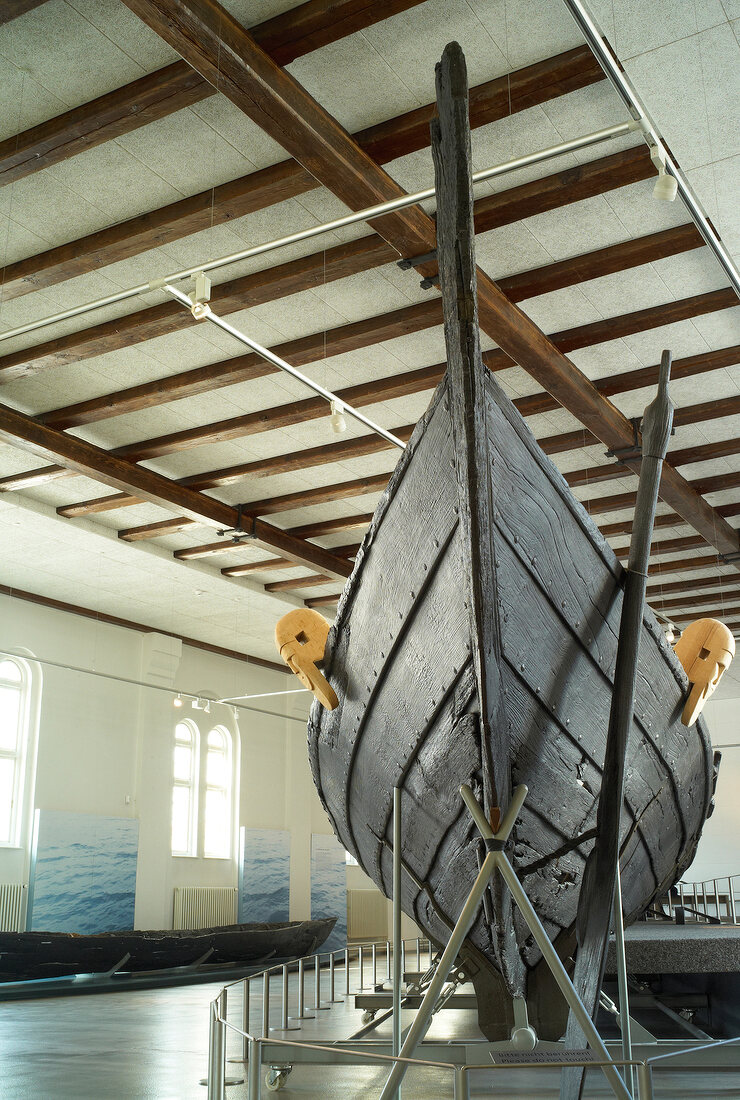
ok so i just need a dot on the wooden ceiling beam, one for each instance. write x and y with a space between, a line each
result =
706 452
11 9
693 601
266 565
386 141
109 116
303 531
658 591
281 281
294 33
728 615
316 580
323 601
21 431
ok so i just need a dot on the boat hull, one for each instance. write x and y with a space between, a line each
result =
32 955
400 658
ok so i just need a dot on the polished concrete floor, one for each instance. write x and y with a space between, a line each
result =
153 1044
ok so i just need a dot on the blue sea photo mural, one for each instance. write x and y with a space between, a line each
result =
329 886
85 872
265 878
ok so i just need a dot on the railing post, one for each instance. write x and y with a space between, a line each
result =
732 900
284 1018
346 971
418 955
254 1082
317 1005
302 1014
216 1054
332 980
387 960
266 1004
361 964
644 1082
374 953
462 1083
245 1018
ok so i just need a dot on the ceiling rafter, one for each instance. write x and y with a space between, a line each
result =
385 141
286 37
21 431
352 337
367 444
216 44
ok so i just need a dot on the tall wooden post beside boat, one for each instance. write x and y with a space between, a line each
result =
597 892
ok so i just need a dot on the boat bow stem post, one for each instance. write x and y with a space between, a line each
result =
397 934
595 903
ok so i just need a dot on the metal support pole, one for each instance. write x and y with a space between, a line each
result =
254 1082
284 1018
387 961
333 999
462 1083
361 965
302 1014
624 1004
541 938
645 1081
418 955
418 1029
245 1018
265 1004
216 1055
317 1005
733 914
346 971
397 936
374 954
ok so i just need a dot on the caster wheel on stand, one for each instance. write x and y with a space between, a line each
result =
276 1079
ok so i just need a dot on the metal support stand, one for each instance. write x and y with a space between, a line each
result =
302 1014
497 860
217 1080
333 999
285 1025
397 936
624 1004
317 1005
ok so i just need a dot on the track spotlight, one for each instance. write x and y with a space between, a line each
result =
666 186
177 701
338 422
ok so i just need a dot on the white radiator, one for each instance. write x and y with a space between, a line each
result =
12 906
204 906
367 915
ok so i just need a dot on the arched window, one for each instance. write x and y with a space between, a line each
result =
15 690
185 769
217 826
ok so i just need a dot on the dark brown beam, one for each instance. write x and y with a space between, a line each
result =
638 379
304 531
268 564
322 601
167 90
102 119
23 432
702 486
669 519
681 602
11 9
154 530
314 581
667 546
657 591
269 284
129 624
724 614
705 452
386 141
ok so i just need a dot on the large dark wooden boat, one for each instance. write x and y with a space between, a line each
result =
475 642
32 955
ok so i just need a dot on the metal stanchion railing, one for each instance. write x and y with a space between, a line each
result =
333 999
387 960
346 971
374 955
317 1005
285 1024
418 955
731 885
253 1078
302 1014
216 1055
245 1018
361 966
266 1004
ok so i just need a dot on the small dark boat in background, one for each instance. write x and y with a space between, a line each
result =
32 955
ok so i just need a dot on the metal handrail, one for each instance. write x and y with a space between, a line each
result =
705 899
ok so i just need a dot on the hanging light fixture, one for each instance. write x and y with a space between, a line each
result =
177 701
666 186
338 421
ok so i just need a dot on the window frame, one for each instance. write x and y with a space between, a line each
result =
226 790
24 754
192 785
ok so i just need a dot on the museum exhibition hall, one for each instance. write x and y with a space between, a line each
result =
370 537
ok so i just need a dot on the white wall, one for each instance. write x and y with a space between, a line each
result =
719 848
105 747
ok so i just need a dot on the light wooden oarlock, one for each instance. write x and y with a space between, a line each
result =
300 637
